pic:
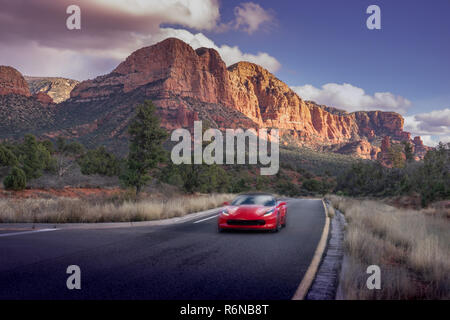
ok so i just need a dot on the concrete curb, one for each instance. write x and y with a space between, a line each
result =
108 225
310 274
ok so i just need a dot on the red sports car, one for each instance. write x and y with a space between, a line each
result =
253 211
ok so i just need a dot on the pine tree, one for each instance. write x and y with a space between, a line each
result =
30 156
16 180
409 155
145 146
7 157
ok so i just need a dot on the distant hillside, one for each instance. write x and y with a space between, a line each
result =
188 85
57 88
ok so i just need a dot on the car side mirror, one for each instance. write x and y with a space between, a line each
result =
226 203
282 203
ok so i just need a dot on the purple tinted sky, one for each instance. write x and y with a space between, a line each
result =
326 41
324 48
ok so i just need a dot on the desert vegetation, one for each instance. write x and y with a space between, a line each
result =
429 178
123 207
411 247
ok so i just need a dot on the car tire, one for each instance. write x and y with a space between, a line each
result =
285 220
278 226
219 229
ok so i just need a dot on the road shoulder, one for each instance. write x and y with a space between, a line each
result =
310 274
5 227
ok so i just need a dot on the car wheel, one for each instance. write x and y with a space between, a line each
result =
285 220
278 227
219 229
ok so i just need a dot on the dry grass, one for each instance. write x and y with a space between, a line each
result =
331 212
411 247
68 210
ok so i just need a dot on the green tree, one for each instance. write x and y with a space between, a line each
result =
33 156
434 176
60 144
7 157
49 146
145 146
15 180
73 148
99 161
287 188
409 155
397 157
312 185
240 185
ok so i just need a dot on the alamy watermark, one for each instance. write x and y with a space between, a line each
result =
73 22
374 280
374 20
235 153
74 280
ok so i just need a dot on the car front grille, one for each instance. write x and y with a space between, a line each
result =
246 222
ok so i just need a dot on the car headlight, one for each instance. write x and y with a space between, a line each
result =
268 213
225 212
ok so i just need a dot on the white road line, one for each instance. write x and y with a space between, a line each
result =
206 218
26 232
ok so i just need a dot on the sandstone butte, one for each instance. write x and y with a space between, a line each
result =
179 79
56 88
172 68
13 82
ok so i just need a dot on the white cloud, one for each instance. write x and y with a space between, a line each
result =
110 31
250 17
348 97
229 54
433 126
190 13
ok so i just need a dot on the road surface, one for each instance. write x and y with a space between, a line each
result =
190 260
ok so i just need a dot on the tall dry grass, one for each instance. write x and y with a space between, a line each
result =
411 247
68 210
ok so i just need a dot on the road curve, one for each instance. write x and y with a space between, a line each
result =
190 260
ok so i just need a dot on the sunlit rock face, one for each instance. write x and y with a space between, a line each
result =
12 82
188 85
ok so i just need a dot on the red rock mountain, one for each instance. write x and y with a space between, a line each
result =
175 75
20 111
188 84
12 82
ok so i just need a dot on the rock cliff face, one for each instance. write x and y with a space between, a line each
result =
43 98
419 148
172 68
12 82
21 112
58 89
187 85
362 149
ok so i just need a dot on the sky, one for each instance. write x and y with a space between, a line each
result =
321 48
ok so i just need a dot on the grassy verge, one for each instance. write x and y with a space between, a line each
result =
69 210
412 249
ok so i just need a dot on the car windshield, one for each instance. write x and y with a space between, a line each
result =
262 200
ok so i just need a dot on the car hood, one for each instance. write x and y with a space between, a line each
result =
247 211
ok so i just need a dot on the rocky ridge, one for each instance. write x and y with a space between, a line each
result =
56 88
187 85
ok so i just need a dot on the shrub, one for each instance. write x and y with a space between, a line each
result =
16 180
99 161
287 188
430 177
312 185
34 157
7 157
49 146
74 148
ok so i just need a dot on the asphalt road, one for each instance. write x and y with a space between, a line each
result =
190 260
